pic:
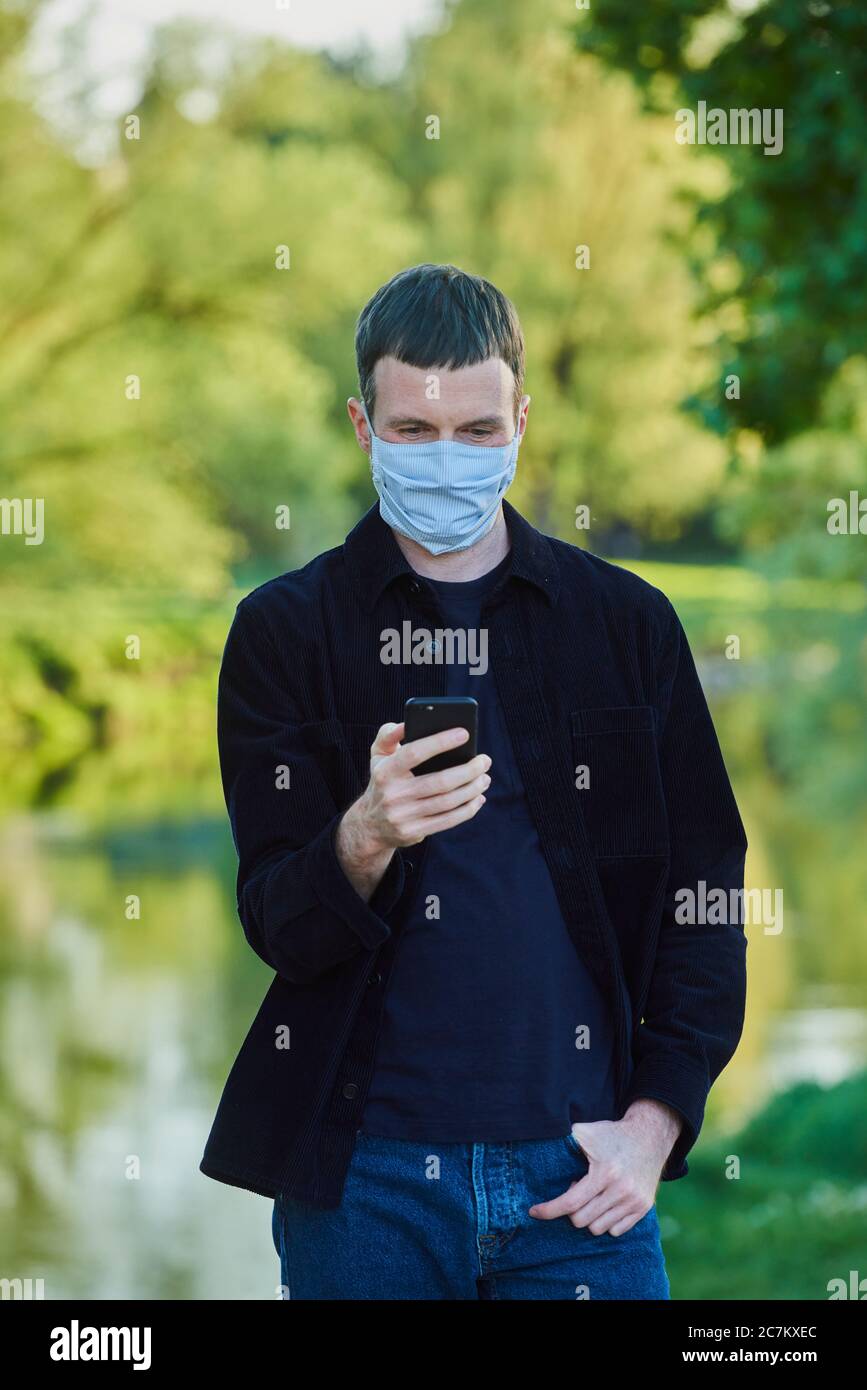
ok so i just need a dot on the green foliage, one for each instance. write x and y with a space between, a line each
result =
794 1219
795 224
164 269
87 727
778 500
813 1126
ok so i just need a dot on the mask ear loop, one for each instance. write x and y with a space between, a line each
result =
372 436
515 445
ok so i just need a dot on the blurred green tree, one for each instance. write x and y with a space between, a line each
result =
794 225
159 389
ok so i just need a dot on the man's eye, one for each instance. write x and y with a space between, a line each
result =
480 434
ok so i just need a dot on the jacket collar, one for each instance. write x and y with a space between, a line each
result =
374 558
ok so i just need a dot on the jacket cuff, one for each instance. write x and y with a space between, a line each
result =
335 891
683 1086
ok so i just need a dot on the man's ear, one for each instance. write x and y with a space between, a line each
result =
359 424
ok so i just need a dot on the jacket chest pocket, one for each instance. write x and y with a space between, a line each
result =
618 781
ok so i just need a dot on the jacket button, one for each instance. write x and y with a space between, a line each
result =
350 1090
375 978
415 587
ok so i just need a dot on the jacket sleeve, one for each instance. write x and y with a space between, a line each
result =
694 1012
299 911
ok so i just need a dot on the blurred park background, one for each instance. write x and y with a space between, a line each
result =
701 386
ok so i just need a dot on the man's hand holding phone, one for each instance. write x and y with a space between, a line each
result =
402 808
399 807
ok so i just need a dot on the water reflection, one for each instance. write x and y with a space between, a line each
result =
821 1042
117 1035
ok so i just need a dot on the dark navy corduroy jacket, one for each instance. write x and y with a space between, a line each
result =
593 670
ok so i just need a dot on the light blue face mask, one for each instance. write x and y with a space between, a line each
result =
444 495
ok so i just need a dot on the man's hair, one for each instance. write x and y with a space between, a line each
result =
437 316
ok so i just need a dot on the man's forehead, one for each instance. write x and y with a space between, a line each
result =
458 384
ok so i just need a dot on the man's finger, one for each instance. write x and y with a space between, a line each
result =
429 784
568 1202
621 1224
432 807
593 1209
607 1221
432 824
411 754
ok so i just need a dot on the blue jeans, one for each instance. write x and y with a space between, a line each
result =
449 1221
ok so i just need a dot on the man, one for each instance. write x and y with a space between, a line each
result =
491 1032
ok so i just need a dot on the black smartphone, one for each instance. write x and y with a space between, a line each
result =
423 716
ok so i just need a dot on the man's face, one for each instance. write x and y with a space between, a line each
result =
474 405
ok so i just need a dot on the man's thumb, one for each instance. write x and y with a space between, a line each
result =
387 739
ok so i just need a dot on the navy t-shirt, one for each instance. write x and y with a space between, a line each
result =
493 1029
